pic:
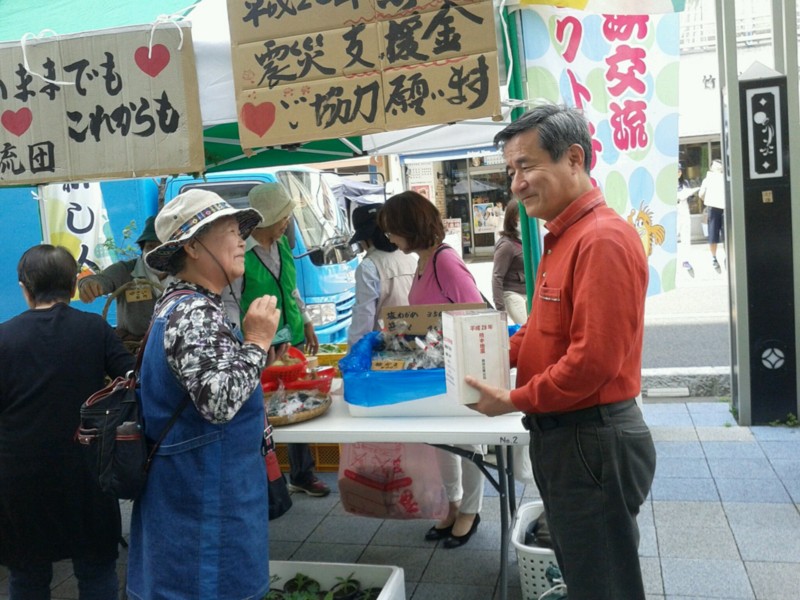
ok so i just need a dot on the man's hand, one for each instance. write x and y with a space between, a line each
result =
261 322
89 290
276 352
493 402
312 342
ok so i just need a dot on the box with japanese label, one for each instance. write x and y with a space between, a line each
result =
475 343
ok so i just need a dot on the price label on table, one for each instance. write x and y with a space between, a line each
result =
388 364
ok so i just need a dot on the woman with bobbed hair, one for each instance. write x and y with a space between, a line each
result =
51 508
414 224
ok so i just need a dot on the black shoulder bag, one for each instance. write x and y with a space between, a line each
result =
112 431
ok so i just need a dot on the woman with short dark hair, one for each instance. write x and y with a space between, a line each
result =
54 357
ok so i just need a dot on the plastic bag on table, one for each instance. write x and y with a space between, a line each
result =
391 481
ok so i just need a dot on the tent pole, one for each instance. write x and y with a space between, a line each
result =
516 91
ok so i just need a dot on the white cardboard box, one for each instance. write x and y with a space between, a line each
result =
475 343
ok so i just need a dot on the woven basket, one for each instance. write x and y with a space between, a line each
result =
299 417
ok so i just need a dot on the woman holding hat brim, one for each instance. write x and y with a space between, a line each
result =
383 277
269 269
199 530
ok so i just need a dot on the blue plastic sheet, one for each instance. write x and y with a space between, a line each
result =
364 387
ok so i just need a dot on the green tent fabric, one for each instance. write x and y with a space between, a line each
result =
74 16
221 140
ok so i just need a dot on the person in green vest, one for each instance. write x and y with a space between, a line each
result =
269 269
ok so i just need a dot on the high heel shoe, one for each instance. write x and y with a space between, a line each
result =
435 534
454 541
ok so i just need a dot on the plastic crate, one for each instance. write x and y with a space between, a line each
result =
532 560
326 358
326 457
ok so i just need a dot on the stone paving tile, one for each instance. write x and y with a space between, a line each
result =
774 581
697 542
741 468
780 449
724 434
674 434
679 450
700 578
684 489
752 490
688 515
721 449
765 433
693 468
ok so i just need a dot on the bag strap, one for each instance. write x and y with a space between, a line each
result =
184 403
436 276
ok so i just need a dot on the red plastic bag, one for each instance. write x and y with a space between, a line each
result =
391 481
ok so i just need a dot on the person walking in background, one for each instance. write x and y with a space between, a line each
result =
712 193
269 269
684 217
135 307
579 359
199 529
508 268
414 224
384 276
51 508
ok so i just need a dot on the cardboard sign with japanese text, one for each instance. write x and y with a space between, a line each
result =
318 70
420 317
99 106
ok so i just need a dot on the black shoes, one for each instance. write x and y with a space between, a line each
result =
454 541
434 534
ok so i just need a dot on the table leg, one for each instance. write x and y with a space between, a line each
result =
512 490
502 484
505 525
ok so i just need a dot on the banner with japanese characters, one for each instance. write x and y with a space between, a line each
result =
100 105
73 215
319 69
622 71
618 7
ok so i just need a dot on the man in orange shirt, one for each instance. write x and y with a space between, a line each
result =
579 359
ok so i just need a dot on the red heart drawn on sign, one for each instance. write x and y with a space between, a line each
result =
155 63
258 118
17 122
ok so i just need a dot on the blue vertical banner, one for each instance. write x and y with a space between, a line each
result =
622 71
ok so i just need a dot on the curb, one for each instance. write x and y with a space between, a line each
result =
688 381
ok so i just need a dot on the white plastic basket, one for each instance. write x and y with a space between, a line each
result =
532 560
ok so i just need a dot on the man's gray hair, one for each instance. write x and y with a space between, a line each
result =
559 127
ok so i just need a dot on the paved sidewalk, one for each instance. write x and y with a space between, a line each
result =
722 521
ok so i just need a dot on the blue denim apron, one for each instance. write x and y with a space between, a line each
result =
200 529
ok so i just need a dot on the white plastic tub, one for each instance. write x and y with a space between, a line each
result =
390 578
432 406
532 560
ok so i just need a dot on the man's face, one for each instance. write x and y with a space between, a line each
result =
543 186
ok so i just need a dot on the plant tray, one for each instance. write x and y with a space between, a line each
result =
390 578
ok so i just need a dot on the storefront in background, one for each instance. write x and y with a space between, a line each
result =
472 188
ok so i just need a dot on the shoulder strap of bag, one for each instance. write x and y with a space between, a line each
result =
184 403
436 276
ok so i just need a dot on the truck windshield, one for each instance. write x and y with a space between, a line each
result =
318 220
315 207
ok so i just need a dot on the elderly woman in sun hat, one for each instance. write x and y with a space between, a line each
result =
200 527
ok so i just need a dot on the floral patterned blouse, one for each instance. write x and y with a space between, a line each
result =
207 355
